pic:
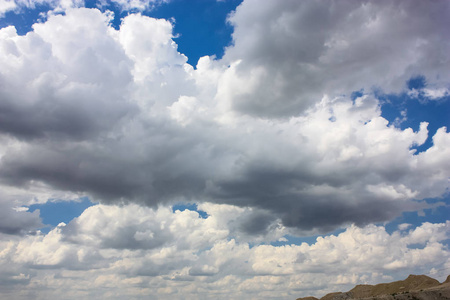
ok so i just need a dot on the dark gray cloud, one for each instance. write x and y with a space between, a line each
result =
17 221
76 121
292 54
289 197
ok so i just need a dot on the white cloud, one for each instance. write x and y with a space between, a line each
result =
185 109
147 127
196 257
56 5
404 226
6 5
266 141
436 93
425 94
139 5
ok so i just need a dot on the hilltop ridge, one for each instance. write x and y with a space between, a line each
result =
415 287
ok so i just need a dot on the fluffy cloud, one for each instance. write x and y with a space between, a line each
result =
133 251
267 141
119 116
72 87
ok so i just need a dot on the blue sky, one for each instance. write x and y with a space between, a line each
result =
241 149
200 26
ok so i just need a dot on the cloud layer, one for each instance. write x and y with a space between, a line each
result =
292 54
267 140
118 115
136 252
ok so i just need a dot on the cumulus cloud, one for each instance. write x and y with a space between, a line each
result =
158 252
267 141
72 89
119 116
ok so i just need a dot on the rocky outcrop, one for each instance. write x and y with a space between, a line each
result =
415 287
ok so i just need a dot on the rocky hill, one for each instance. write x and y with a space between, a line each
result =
415 287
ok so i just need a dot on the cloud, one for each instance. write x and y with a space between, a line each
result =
135 227
285 57
267 141
139 5
425 94
55 5
14 220
404 226
189 257
119 116
6 6
73 89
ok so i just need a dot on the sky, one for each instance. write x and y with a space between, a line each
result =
170 149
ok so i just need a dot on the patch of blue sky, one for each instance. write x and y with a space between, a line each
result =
189 206
356 94
407 110
200 26
23 18
54 212
438 213
417 82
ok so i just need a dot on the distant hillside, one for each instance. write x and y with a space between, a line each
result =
415 287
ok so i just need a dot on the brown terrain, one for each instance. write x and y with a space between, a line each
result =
415 287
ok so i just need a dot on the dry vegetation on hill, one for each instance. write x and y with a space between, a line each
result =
415 287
